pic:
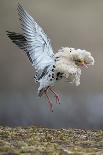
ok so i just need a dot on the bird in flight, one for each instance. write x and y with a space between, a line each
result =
50 67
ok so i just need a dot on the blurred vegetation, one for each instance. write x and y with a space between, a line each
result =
40 141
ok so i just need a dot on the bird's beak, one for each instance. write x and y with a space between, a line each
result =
83 64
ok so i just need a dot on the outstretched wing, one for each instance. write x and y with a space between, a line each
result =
37 46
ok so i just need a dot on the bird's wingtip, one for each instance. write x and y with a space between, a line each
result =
19 6
7 33
18 3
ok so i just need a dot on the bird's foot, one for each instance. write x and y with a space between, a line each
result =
57 99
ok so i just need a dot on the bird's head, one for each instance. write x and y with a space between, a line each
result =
78 57
82 58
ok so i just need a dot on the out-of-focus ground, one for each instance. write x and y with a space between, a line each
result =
40 141
70 23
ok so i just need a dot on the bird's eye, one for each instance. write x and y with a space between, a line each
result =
79 60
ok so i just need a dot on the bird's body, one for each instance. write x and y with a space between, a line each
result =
50 67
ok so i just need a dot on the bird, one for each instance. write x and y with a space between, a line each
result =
49 66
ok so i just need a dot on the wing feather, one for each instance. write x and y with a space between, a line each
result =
38 45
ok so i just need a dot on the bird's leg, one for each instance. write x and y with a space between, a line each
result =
56 95
49 101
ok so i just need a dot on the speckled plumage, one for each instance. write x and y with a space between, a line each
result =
49 67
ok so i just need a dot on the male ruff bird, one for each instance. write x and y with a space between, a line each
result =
50 67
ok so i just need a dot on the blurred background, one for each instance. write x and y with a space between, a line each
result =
70 23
